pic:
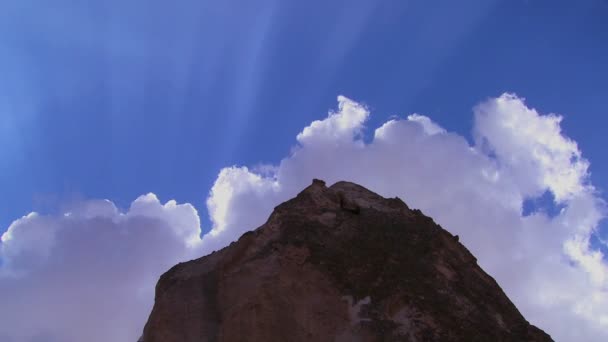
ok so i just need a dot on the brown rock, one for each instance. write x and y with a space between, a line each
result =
337 264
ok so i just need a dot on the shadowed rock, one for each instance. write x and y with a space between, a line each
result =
337 263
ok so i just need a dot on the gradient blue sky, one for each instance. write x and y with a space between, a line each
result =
116 99
113 99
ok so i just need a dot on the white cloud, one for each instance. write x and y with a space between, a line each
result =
544 263
89 274
341 126
525 141
238 188
427 124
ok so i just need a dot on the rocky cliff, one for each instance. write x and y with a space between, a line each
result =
337 263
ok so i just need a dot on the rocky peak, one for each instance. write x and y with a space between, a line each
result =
337 263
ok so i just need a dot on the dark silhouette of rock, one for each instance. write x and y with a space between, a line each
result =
337 264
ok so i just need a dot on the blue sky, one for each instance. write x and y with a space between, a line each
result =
118 99
114 99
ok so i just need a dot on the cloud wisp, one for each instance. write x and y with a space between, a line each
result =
89 274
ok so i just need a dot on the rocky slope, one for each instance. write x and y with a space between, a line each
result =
337 263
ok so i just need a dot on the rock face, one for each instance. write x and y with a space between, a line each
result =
337 263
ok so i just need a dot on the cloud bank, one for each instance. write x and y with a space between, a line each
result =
543 262
89 274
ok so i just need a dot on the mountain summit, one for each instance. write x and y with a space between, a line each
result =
337 263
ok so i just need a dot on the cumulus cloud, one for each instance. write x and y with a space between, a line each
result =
89 274
544 263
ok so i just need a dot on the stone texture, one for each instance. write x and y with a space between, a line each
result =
337 263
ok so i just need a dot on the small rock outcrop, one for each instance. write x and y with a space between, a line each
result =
337 263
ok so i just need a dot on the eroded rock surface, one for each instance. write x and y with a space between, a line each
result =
337 263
